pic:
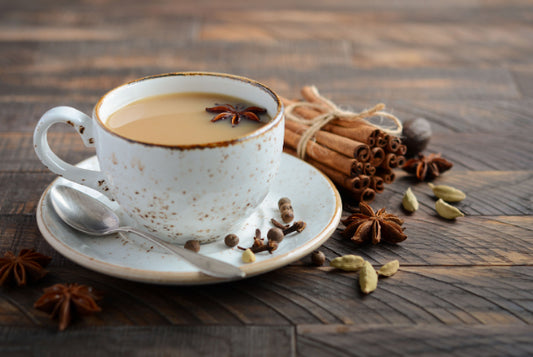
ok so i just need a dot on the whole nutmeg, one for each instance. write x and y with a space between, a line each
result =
416 134
275 235
318 258
193 245
231 240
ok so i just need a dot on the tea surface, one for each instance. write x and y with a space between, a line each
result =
179 119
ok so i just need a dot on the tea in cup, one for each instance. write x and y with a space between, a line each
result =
173 170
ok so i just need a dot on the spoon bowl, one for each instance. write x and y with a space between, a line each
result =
88 215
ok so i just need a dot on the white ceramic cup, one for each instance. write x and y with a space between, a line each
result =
183 192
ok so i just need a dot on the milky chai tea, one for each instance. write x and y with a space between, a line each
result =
180 119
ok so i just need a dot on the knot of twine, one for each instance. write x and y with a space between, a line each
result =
332 112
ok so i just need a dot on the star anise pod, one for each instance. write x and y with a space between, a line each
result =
427 167
235 113
27 265
370 226
63 300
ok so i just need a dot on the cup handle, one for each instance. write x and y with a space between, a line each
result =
84 127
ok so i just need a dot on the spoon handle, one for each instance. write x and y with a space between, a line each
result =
206 265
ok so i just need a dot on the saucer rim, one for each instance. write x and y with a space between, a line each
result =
192 277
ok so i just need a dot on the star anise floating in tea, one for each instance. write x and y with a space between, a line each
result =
235 113
369 226
61 301
426 168
28 265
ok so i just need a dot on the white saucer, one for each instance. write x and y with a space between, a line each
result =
314 198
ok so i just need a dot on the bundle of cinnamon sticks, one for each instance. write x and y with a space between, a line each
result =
356 155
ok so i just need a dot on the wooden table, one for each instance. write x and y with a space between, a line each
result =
464 288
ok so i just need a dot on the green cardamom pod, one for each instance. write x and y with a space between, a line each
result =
347 262
368 278
445 210
409 201
389 269
447 193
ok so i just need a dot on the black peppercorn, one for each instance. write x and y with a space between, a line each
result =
193 245
231 240
275 235
285 207
318 258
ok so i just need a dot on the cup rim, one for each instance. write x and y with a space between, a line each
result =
276 118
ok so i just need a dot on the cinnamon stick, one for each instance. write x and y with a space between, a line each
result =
387 175
393 143
390 161
378 155
368 169
362 132
351 184
377 184
328 157
402 150
343 145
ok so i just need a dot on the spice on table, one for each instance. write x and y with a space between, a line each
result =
426 168
62 301
285 207
348 262
370 226
447 193
409 201
193 245
368 278
231 240
344 145
445 210
28 265
389 269
248 256
235 113
415 135
318 258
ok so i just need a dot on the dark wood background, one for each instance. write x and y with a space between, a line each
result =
465 287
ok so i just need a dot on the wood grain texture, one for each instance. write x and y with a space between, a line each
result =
464 287
415 340
150 341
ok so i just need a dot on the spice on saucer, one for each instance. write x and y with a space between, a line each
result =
193 245
285 207
62 301
231 240
259 246
248 256
369 226
235 113
28 265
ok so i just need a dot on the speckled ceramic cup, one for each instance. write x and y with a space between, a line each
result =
177 192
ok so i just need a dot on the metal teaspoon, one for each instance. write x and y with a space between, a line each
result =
88 215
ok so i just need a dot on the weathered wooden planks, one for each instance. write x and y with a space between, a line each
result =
154 341
415 340
464 287
440 296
